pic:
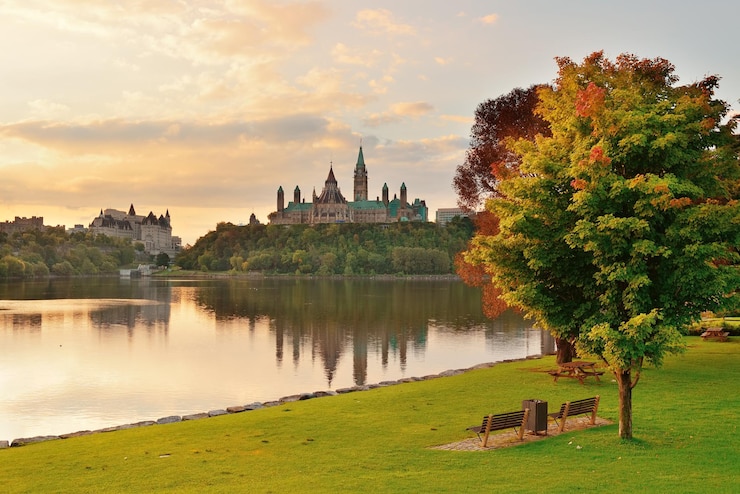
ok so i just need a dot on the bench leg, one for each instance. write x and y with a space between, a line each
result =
524 423
596 408
484 442
564 418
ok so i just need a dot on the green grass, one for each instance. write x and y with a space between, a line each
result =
685 424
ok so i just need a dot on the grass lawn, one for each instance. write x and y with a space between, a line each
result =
686 419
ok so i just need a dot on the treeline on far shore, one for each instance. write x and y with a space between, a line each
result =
54 252
330 249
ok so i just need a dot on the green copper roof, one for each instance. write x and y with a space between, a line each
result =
360 160
367 205
303 206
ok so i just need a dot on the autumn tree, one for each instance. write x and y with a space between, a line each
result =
624 224
489 160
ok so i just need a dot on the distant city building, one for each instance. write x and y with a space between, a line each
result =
77 229
154 232
332 207
23 224
444 215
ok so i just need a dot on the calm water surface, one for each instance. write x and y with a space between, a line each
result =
84 354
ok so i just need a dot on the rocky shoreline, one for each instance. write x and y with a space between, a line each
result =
252 406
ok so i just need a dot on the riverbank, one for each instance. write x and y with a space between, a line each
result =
170 419
383 440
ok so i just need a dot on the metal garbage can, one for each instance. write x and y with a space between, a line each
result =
537 419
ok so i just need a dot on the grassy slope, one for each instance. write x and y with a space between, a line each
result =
685 421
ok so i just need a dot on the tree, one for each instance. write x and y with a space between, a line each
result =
163 259
624 224
489 161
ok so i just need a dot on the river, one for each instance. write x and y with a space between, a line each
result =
88 353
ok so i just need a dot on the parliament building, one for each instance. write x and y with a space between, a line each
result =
332 207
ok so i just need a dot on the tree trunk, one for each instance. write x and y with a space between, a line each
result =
624 380
565 350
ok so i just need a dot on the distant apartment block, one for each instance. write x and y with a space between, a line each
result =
444 215
152 231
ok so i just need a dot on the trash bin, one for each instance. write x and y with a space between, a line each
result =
537 419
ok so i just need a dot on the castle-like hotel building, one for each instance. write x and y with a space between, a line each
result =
154 232
332 207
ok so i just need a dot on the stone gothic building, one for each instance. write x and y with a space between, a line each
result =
152 231
332 207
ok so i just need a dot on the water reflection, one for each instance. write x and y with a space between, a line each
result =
89 353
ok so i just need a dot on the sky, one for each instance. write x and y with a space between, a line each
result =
205 108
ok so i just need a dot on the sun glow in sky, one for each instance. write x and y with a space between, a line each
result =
206 107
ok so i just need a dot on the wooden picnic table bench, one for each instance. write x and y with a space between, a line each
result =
500 422
577 407
577 369
715 334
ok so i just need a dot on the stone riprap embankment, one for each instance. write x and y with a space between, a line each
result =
252 406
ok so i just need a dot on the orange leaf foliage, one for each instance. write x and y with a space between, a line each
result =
590 100
493 305
578 183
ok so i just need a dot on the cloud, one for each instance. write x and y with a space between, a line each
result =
465 119
488 19
42 109
381 21
341 53
398 112
97 136
442 61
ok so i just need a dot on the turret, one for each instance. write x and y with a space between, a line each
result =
297 195
280 200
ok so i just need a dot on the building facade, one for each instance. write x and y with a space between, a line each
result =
23 224
152 231
444 215
332 207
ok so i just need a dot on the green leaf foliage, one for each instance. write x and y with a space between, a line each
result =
624 225
52 251
329 249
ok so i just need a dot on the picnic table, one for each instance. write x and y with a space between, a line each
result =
578 369
715 334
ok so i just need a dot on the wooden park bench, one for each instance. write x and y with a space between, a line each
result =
715 334
499 422
573 408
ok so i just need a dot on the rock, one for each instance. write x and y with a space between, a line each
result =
195 416
236 409
216 413
254 406
169 420
4 444
321 394
75 434
31 440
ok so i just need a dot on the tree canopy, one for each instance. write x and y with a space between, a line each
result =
489 158
329 249
623 225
